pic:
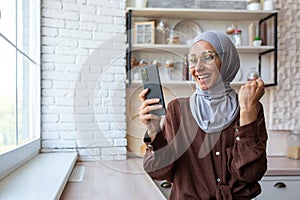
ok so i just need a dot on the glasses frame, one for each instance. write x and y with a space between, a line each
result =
207 57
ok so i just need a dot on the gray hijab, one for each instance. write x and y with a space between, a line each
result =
215 109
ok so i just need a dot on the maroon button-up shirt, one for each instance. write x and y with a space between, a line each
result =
226 165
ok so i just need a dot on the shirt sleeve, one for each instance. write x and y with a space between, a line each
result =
159 157
249 159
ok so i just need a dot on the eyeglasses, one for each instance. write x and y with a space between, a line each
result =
207 57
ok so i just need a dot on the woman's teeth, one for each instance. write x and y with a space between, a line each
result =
203 76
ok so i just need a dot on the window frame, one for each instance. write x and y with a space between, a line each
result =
13 159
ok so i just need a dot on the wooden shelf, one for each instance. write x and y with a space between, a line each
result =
160 47
180 83
166 83
240 83
184 48
254 49
210 19
200 14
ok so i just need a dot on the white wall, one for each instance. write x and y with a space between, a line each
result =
285 98
83 78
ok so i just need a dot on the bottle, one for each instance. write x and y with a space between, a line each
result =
185 68
229 30
251 33
237 37
294 144
261 4
264 33
252 74
171 37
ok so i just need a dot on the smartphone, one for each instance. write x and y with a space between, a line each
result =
151 80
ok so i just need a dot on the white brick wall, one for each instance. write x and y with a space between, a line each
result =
76 33
83 78
285 107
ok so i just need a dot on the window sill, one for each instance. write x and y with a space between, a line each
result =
12 160
43 177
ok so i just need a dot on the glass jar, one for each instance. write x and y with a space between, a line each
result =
294 144
252 74
269 5
253 4
237 37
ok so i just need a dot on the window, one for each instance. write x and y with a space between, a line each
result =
19 80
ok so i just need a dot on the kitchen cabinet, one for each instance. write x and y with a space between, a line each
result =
273 187
262 58
279 187
281 181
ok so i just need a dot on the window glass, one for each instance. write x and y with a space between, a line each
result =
19 73
26 34
7 96
27 98
8 20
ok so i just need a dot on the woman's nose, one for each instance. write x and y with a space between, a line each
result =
199 66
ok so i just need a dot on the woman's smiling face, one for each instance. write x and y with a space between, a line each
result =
204 64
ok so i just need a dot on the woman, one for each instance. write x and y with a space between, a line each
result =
213 144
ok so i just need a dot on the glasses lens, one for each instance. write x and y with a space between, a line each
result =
192 61
207 57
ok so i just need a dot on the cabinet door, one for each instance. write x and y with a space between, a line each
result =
280 188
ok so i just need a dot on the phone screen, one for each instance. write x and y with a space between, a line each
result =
151 80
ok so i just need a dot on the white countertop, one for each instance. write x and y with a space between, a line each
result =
282 166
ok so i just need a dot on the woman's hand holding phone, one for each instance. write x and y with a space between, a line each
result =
152 121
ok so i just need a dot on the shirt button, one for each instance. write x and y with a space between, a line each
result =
218 180
217 153
236 130
237 138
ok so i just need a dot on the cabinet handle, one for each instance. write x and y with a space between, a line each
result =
166 184
280 185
